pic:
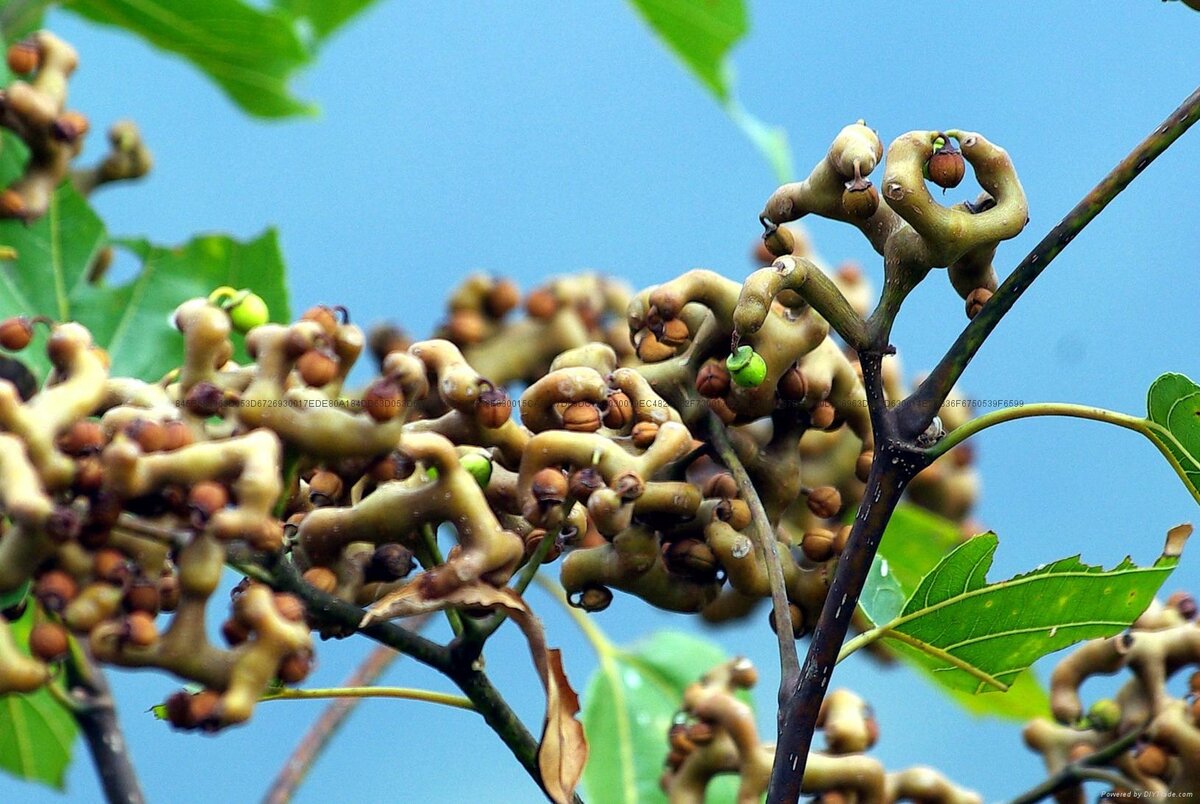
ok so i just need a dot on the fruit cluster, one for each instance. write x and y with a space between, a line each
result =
1146 735
36 112
714 733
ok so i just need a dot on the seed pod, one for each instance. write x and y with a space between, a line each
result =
382 400
817 545
390 562
860 199
975 301
204 400
140 629
501 298
792 385
295 667
142 595
16 333
112 566
493 407
549 486
465 328
692 559
618 410
585 481
54 590
746 367
289 606
206 498
594 598
69 127
651 350
674 333
713 380
825 502
946 167
317 367
24 57
1152 760
581 417
323 315
643 434
1183 603
779 241
324 488
541 304
321 578
534 540
49 642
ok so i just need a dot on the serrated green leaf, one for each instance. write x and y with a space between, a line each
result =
1173 403
250 53
36 733
914 542
50 277
627 709
973 635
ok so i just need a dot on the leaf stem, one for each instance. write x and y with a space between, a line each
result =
915 413
406 693
430 556
768 547
875 634
1078 771
1157 434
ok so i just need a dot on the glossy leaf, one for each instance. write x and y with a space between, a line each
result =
1173 403
974 636
36 733
251 53
320 18
628 707
915 541
50 277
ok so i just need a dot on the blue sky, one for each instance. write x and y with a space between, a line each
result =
542 137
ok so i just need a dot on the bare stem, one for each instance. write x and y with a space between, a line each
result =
768 547
404 693
1079 771
918 411
92 708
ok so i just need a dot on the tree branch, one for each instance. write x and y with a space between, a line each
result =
916 412
97 718
1076 772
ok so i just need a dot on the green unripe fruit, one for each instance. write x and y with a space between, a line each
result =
1104 715
479 466
246 309
746 367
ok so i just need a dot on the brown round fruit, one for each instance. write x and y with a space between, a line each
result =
321 578
16 333
549 486
643 434
779 241
825 502
860 200
383 400
317 367
581 417
49 642
140 629
713 380
55 589
817 545
541 304
947 168
23 57
501 298
493 408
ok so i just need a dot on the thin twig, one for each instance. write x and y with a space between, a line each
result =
768 547
918 410
403 693
1072 774
96 715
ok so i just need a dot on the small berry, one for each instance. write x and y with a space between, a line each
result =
721 408
651 350
501 298
541 304
1183 603
549 486
322 579
317 367
84 437
323 315
493 407
746 367
55 589
206 498
140 629
112 566
594 598
674 333
295 667
24 57
713 380
691 559
822 416
479 466
792 384
466 328
142 595
325 488
860 199
177 435
744 675
383 400
825 502
204 399
12 204
643 434
234 632
618 410
779 241
722 485
534 540
975 301
151 436
168 592
862 467
1104 715
817 545
49 642
1152 760
70 127
840 538
946 167
390 562
581 417
16 333
289 606
247 311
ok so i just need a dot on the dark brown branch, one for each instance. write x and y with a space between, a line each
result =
96 716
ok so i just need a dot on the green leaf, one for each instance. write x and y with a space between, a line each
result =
251 53
1173 403
21 17
36 733
915 541
629 706
50 277
702 33
323 17
974 636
